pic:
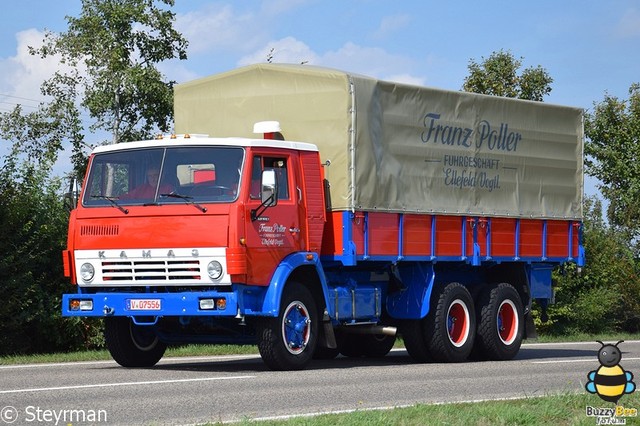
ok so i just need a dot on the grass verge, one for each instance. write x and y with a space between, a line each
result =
103 355
564 409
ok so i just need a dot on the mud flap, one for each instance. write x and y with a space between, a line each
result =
529 327
328 337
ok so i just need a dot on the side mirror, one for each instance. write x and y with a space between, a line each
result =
71 197
269 185
268 193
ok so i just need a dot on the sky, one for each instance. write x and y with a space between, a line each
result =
590 48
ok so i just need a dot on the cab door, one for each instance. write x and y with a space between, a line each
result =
275 233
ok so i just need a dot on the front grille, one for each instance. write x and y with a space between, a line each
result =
151 270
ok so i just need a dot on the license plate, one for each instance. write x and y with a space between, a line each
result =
144 304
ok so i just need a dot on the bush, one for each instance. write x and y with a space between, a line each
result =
35 225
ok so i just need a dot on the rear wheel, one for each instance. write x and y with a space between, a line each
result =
326 353
350 345
500 323
367 345
132 345
377 345
449 328
414 341
288 342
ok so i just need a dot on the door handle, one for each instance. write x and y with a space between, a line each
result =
294 230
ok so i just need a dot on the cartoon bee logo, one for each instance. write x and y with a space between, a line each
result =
610 381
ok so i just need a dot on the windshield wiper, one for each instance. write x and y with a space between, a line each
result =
113 202
186 199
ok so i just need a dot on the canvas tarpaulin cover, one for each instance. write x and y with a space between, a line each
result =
400 148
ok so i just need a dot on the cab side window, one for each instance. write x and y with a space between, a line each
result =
256 172
279 164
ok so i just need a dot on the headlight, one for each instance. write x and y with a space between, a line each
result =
214 269
87 271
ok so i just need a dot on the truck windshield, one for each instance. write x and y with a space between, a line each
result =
164 176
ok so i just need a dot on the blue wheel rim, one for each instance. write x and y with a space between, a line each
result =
296 327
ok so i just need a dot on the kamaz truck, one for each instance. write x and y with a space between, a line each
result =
315 212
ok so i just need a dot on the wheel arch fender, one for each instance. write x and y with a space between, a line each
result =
413 301
517 275
304 267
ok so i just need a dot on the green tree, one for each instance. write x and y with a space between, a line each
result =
603 296
613 156
498 75
39 135
110 53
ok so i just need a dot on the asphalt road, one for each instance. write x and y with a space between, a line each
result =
195 390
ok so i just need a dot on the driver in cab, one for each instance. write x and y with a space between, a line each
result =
148 189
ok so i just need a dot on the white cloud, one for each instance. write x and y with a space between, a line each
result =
391 24
287 50
177 70
407 79
276 7
629 24
23 73
370 61
219 28
226 28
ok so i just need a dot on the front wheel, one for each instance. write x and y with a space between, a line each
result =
500 323
288 341
449 328
132 345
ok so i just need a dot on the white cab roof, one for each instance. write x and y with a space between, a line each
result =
202 141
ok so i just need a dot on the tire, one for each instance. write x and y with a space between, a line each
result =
367 345
377 345
132 345
351 346
449 328
288 342
414 341
326 353
500 323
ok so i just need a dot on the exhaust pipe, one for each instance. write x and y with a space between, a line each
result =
370 329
